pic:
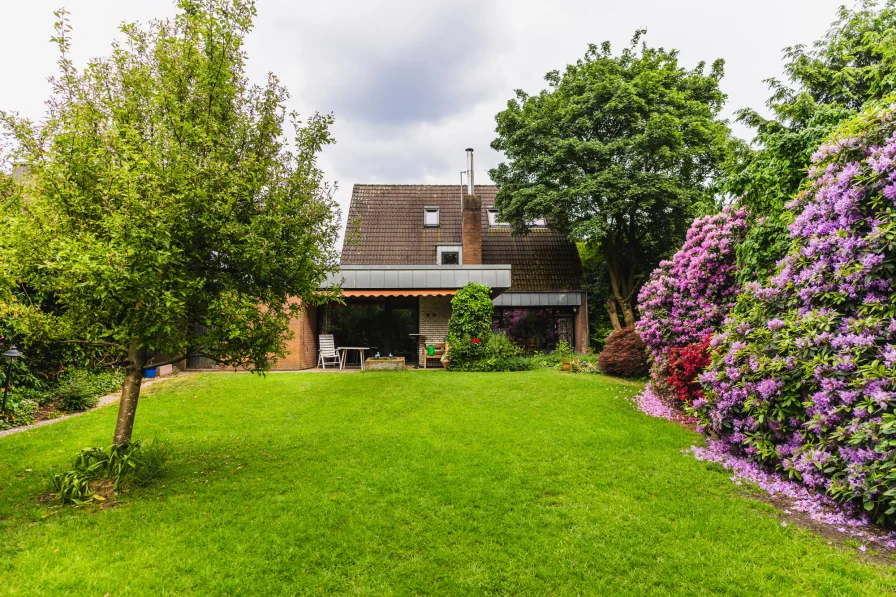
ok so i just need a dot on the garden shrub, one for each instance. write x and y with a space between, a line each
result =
624 355
803 374
464 351
80 389
470 325
688 297
517 363
471 312
496 353
133 465
18 413
683 366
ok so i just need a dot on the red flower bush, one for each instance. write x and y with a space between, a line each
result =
475 340
684 365
624 354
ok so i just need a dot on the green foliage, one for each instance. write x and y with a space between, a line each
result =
620 152
80 389
19 412
166 206
854 63
471 312
492 365
496 352
133 465
598 289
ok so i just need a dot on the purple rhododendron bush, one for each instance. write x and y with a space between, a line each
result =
688 297
803 374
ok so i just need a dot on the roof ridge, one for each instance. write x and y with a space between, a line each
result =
388 184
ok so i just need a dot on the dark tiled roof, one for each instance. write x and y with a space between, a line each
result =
385 227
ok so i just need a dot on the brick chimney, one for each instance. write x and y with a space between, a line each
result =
471 231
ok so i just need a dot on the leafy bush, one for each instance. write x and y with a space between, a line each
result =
624 355
496 353
18 413
464 351
471 312
687 297
469 328
80 389
683 366
499 346
803 376
133 465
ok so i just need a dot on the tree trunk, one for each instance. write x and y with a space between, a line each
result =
130 393
623 292
613 313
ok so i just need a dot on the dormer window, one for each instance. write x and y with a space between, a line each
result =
431 217
449 254
494 222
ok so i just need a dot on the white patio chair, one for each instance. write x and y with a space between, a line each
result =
328 352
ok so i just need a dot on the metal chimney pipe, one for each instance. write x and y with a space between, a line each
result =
469 170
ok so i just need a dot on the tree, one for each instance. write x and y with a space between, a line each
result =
620 152
162 208
854 63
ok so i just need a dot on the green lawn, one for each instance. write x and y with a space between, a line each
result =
407 483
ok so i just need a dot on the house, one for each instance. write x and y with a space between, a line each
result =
407 250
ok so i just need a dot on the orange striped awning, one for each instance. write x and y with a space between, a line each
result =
378 293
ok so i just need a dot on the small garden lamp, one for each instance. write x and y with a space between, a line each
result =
9 357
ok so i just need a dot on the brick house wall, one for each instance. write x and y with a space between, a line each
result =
301 350
435 311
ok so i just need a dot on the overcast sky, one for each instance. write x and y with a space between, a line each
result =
413 83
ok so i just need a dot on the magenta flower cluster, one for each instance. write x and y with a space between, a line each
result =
688 297
803 377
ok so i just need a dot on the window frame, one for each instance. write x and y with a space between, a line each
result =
426 212
493 221
459 249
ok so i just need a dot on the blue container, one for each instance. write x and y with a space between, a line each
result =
149 373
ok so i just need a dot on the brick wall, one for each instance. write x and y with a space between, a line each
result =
301 351
435 311
471 229
583 332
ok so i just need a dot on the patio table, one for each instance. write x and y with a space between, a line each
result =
345 350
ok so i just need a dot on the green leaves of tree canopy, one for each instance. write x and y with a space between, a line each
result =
163 208
855 62
619 152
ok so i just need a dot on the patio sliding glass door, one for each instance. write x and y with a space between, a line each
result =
382 323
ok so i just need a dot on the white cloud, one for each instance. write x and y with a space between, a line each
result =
414 83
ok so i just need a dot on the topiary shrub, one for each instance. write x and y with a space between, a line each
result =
624 354
471 312
803 374
470 326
